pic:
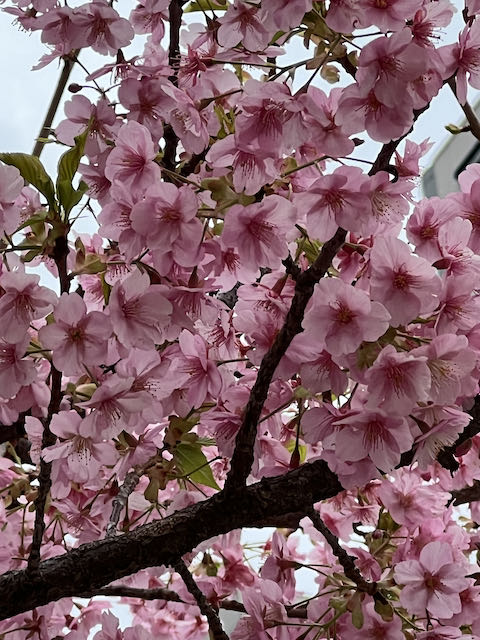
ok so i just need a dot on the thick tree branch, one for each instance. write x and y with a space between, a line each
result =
214 624
467 494
93 565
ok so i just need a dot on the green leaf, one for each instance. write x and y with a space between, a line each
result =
33 172
67 168
206 5
191 461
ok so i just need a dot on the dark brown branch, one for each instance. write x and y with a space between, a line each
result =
215 626
242 458
347 561
175 21
467 494
93 565
68 62
172 596
60 253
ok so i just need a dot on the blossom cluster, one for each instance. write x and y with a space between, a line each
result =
216 183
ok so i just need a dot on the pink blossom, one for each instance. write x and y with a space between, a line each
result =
77 338
407 498
361 109
457 257
464 58
448 424
259 231
459 308
149 16
374 626
342 317
131 161
99 26
139 312
146 103
187 121
432 582
15 370
424 224
11 184
335 200
167 217
242 24
21 302
78 457
387 64
100 119
397 381
452 363
204 379
114 406
387 15
252 165
374 434
406 284
281 564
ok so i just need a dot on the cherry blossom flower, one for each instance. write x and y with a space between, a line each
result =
167 216
397 381
374 434
252 165
406 284
258 231
77 338
342 317
131 161
139 312
99 26
78 457
432 582
242 24
22 301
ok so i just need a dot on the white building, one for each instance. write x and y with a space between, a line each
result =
459 151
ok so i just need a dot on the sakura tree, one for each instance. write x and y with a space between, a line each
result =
265 329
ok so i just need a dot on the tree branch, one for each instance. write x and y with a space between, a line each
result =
120 501
60 253
347 561
470 115
95 564
242 458
216 629
68 62
175 13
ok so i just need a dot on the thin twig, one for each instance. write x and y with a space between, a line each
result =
120 501
216 629
68 63
175 21
60 253
347 561
467 110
